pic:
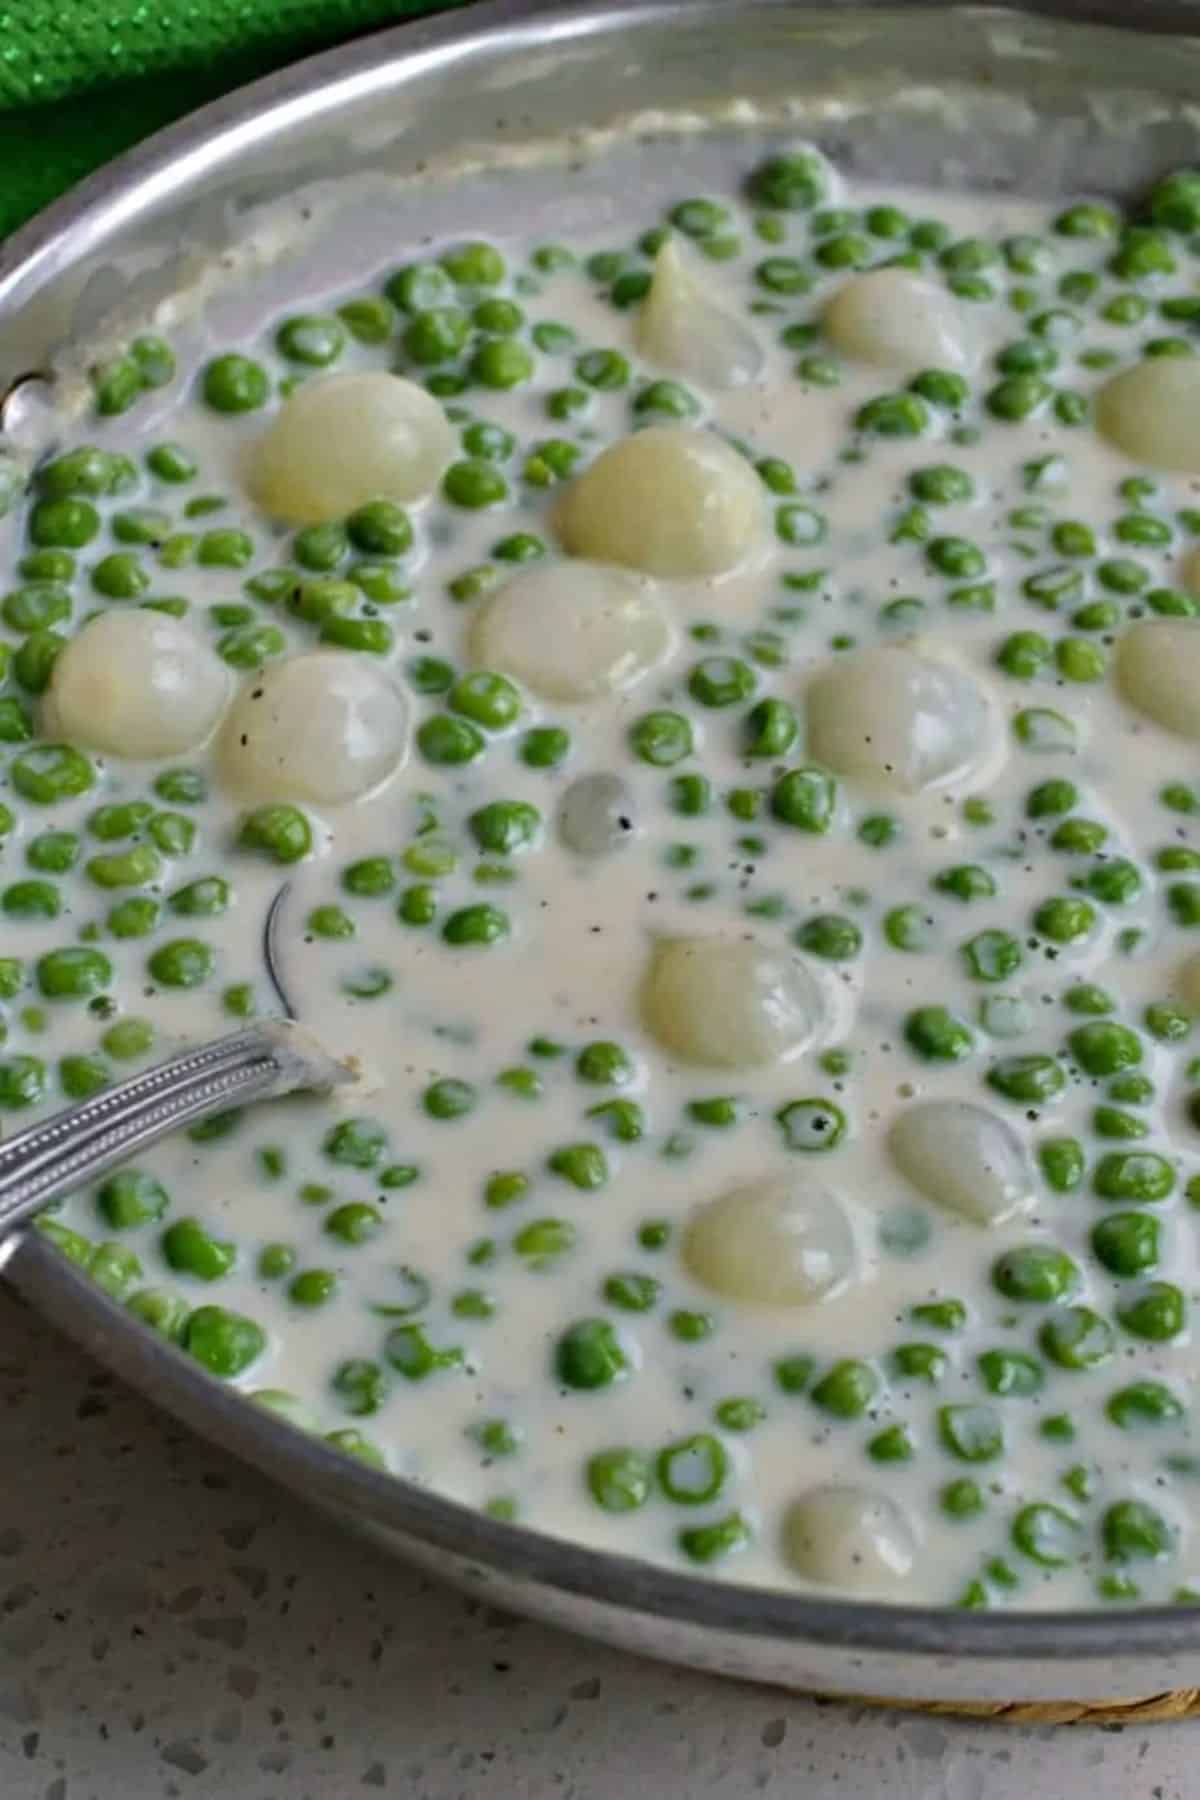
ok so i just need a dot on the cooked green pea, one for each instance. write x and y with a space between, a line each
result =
1030 1080
846 1389
973 1432
279 831
225 1342
191 1249
1142 1176
182 963
589 1355
1076 1337
75 973
479 925
805 798
130 1198
1143 1404
31 900
504 826
992 955
1132 1530
234 384
1038 1273
935 1034
50 773
620 1480
1158 1312
1010 1372
1127 1243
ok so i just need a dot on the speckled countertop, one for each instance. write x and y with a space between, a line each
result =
172 1625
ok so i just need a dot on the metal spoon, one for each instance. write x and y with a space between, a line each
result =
261 1062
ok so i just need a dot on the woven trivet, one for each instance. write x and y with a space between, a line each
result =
1182 1703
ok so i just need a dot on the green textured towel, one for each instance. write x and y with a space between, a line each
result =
82 80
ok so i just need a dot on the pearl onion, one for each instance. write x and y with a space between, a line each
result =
572 630
964 1158
898 719
347 439
326 727
671 500
779 1241
729 1003
136 683
849 1537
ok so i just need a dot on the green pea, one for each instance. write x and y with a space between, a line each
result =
812 1125
846 1389
992 955
1138 1175
234 384
130 1198
1029 1080
476 926
806 799
619 1480
280 832
706 1543
1064 920
128 1038
1127 1242
50 773
1062 1163
82 1076
448 741
191 1249
209 895
312 1287
1143 1404
962 1499
941 484
1010 1372
37 607
935 1034
1075 1337
973 1432
1104 1047
1037 1273
966 882
1169 1023
504 826
589 1355
631 1291
224 1342
1046 1534
16 722
919 1362
31 900
693 1471
1157 1313
474 484
163 1312
893 416
75 973
53 852
487 699
182 963
135 917
1024 655
1017 397
1132 1530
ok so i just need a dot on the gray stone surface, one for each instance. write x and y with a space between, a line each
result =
171 1625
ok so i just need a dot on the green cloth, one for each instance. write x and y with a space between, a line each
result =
82 80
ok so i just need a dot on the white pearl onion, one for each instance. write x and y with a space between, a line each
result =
779 1241
572 630
342 440
730 1003
1152 412
671 500
849 1537
136 682
964 1158
326 727
1158 672
684 328
898 719
898 320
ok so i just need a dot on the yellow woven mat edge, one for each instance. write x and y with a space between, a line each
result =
1182 1703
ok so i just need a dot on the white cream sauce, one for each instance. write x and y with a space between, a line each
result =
583 933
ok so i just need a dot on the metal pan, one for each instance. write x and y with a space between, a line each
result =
1062 96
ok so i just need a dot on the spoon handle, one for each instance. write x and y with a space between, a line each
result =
49 1159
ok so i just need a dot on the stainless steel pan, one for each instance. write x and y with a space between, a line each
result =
1064 96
